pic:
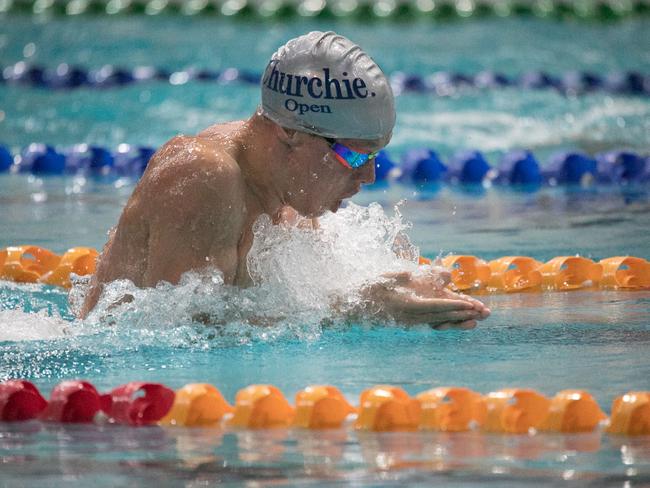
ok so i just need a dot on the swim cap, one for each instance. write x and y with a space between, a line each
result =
324 84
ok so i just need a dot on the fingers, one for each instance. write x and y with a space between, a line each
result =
463 315
452 319
465 325
416 304
448 316
444 310
477 304
400 278
445 276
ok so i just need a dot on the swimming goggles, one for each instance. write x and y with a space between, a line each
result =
348 157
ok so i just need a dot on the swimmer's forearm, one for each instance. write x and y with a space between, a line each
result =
396 299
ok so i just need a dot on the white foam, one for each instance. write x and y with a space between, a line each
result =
16 325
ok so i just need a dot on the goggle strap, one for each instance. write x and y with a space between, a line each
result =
342 160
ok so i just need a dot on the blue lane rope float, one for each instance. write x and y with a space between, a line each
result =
418 166
67 77
81 159
274 10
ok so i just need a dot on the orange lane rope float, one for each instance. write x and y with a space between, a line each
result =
387 408
34 264
451 409
570 273
515 273
625 272
197 404
78 260
631 414
382 408
261 407
515 411
321 407
26 264
573 411
469 274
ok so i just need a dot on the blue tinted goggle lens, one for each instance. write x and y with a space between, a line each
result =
349 157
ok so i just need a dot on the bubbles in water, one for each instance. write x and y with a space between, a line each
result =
77 292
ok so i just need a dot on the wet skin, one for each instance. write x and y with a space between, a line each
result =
196 203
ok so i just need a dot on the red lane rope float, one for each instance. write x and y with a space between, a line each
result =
73 402
138 403
20 400
382 408
469 274
134 403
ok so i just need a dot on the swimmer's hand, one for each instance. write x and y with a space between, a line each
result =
289 217
423 299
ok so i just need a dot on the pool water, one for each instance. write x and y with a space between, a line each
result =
586 339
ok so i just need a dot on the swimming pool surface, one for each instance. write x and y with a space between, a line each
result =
592 340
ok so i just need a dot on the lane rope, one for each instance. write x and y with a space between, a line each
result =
382 408
422 167
360 11
69 76
469 274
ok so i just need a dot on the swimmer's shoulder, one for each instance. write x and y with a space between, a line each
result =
197 171
221 130
187 159
191 153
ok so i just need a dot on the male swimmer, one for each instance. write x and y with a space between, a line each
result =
326 109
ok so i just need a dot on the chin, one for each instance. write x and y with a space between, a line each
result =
312 214
334 208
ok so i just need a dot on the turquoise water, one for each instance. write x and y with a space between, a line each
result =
491 121
592 340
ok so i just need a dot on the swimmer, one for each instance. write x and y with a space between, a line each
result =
326 110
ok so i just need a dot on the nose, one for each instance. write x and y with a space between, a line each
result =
366 173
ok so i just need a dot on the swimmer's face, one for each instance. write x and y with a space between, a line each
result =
325 181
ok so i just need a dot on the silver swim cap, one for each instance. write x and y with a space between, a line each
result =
324 84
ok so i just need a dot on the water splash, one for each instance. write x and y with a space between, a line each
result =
303 278
17 325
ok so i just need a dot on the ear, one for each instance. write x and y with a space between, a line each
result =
288 137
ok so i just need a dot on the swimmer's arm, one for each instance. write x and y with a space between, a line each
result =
180 217
202 226
409 300
290 217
